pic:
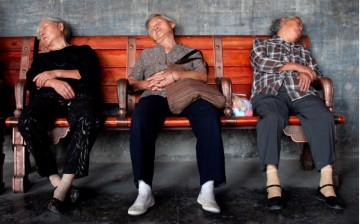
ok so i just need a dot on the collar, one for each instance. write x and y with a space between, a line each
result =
280 40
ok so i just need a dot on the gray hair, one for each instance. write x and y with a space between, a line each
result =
161 15
276 24
56 20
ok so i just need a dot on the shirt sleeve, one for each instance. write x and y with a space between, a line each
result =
88 65
30 75
312 63
260 60
138 70
199 64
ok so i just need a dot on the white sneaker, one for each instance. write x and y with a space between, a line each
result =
210 206
139 207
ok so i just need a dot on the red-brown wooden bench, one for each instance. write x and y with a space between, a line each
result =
2 155
229 69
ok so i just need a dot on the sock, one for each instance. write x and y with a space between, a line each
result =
273 179
144 193
326 178
54 180
63 187
207 191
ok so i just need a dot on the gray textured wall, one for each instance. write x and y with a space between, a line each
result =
333 27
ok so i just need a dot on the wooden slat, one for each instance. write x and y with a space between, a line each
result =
112 58
12 44
110 76
109 94
10 59
236 58
102 42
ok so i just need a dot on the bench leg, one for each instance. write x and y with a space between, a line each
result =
306 159
20 179
2 157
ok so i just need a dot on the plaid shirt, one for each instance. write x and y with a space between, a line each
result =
267 56
153 60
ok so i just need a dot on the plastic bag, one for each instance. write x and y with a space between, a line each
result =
241 106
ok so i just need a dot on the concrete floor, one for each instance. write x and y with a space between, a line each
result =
108 192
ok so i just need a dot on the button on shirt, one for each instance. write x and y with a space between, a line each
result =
153 60
267 56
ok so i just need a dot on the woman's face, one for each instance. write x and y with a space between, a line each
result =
159 29
50 32
291 30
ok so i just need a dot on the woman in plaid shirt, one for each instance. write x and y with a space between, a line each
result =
283 72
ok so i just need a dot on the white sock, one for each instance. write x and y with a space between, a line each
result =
144 193
207 191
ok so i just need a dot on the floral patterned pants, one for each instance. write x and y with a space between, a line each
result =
84 117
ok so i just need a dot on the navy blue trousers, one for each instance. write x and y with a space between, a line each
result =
146 123
315 118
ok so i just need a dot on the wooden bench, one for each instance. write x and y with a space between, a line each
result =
2 129
229 70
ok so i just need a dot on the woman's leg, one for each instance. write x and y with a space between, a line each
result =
34 122
273 117
146 123
84 118
319 127
205 123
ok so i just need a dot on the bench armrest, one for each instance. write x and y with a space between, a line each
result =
20 96
123 86
326 85
224 85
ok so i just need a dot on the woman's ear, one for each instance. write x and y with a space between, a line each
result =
60 26
172 25
282 22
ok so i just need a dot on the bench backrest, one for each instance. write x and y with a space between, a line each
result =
227 56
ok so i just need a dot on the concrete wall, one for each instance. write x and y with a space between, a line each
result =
333 27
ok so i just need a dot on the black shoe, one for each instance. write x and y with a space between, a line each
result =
274 203
74 194
331 201
57 206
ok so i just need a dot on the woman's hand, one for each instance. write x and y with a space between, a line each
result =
304 81
160 80
62 88
41 78
307 70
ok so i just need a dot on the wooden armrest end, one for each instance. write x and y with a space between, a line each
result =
328 92
224 85
20 96
122 91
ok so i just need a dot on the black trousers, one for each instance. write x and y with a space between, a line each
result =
315 118
38 117
146 123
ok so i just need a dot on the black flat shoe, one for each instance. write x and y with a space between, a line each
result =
274 203
331 201
74 194
57 206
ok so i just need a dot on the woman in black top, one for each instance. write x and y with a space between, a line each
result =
62 82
